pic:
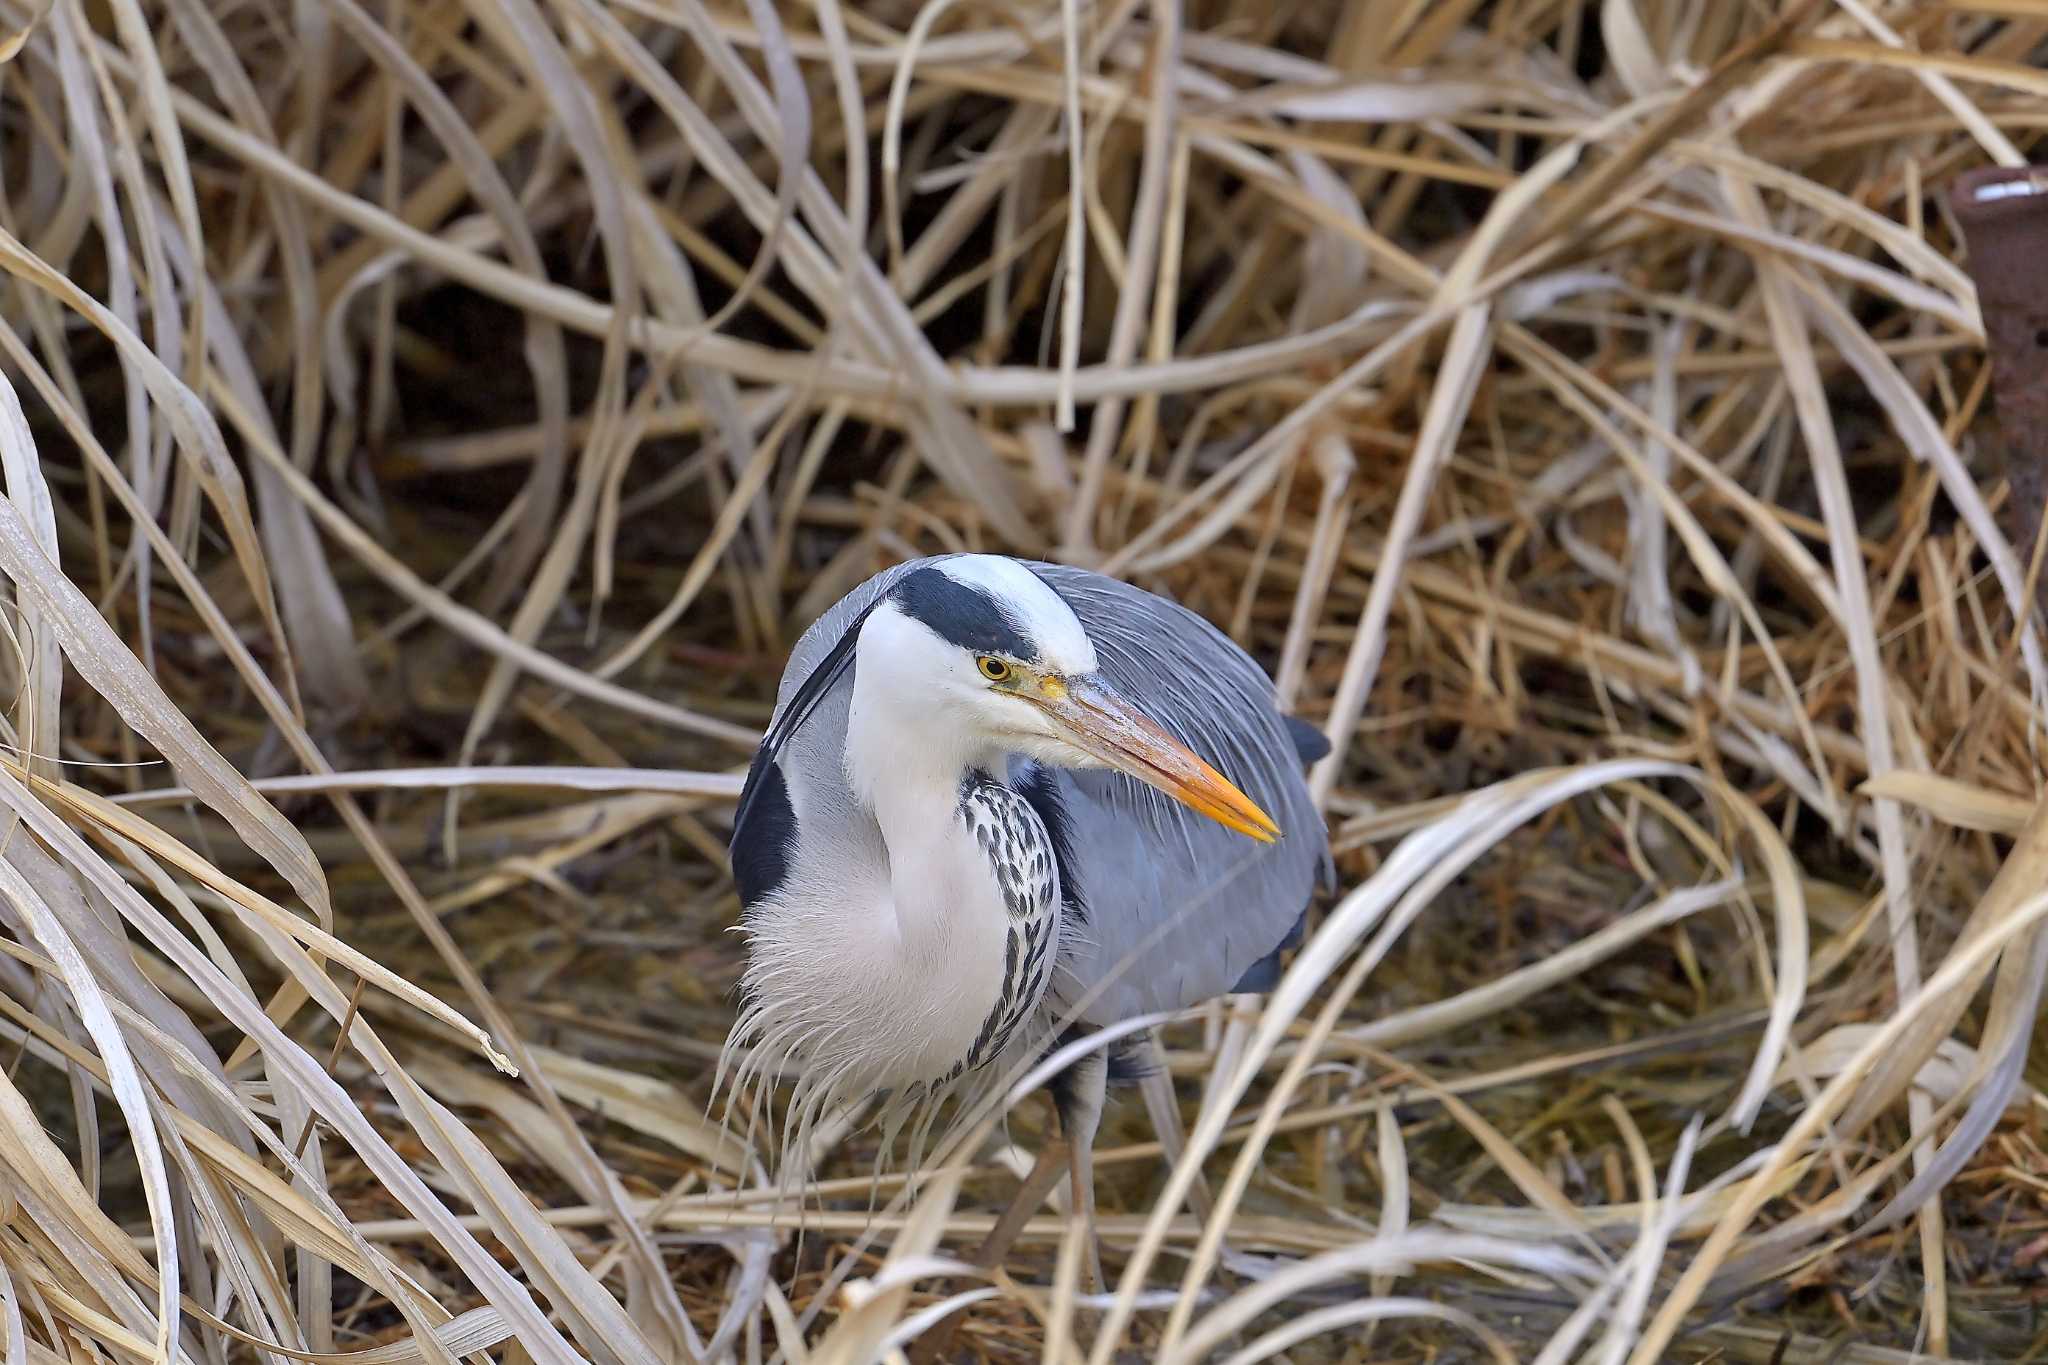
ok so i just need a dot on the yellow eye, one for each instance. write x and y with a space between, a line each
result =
994 669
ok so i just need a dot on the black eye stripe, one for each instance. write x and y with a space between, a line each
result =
962 615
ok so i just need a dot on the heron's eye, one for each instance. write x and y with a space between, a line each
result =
994 669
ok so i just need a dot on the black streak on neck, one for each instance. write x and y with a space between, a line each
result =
1042 794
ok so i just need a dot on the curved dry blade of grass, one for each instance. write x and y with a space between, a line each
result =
793 109
546 355
122 1078
1381 1253
1952 974
877 1305
726 785
1962 804
308 596
1464 355
1134 288
483 631
318 941
316 1224
41 663
198 435
1873 684
116 675
1437 1018
1421 864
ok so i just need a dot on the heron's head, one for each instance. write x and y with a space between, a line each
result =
982 652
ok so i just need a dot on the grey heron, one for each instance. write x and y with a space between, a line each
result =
985 802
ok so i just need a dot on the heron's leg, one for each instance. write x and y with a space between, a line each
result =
1080 1101
1164 1108
1045 1173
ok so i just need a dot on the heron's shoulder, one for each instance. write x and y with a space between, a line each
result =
824 634
1309 742
763 847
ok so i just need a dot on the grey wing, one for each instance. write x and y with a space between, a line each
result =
1178 908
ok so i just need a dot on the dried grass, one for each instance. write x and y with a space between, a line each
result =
425 426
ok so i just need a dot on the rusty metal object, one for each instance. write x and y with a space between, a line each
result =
2004 213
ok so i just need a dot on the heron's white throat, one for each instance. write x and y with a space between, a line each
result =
917 722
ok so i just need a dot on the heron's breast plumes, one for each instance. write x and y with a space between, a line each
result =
915 986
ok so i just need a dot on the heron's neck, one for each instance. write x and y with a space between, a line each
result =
906 773
906 764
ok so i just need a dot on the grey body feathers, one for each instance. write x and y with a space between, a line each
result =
1173 908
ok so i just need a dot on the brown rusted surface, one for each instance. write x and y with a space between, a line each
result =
2004 213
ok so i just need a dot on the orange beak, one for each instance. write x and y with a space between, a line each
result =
1111 730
